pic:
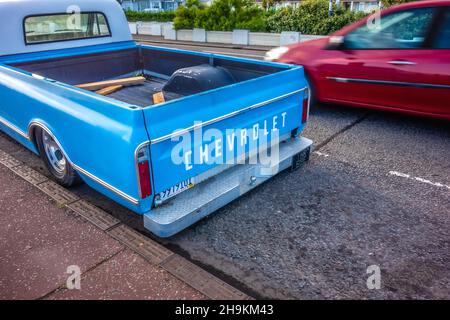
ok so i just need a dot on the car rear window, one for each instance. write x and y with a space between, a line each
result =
65 26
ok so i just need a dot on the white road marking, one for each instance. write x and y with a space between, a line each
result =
321 154
401 175
419 179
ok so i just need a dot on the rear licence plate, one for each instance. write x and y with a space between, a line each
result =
176 189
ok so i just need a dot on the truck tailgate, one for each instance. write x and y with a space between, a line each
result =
272 101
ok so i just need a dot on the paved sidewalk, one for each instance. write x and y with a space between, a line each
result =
39 240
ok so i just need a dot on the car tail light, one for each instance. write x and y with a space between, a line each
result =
143 168
305 107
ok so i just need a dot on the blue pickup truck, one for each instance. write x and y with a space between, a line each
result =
171 134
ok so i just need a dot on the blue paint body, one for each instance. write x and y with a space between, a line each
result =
100 135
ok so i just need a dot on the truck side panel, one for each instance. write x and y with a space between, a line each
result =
99 135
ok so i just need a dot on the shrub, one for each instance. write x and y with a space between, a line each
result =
311 17
388 3
186 15
221 15
336 22
163 16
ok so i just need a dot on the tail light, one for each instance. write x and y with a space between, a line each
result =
143 168
305 107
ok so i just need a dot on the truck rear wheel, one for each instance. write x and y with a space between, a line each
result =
55 160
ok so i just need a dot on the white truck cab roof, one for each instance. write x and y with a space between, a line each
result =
14 39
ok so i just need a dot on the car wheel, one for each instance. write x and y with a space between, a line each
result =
55 160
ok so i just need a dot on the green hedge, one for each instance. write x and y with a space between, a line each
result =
164 16
221 15
311 17
388 3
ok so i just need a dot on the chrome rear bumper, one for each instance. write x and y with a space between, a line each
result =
194 204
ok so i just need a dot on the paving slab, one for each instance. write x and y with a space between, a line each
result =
38 241
129 276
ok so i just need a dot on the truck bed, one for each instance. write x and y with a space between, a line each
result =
139 95
156 64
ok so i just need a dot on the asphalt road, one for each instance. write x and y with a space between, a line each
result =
375 192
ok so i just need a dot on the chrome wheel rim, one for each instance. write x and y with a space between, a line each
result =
54 154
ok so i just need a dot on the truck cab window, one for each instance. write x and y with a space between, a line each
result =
66 26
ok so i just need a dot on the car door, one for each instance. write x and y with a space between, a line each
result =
438 74
389 63
423 75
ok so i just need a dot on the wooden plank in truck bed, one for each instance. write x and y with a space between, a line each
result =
109 83
108 90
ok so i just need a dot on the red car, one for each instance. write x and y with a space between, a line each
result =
398 61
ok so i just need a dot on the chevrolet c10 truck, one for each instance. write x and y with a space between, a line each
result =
173 135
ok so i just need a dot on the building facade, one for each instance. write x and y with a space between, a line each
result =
281 4
151 5
361 5
354 5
